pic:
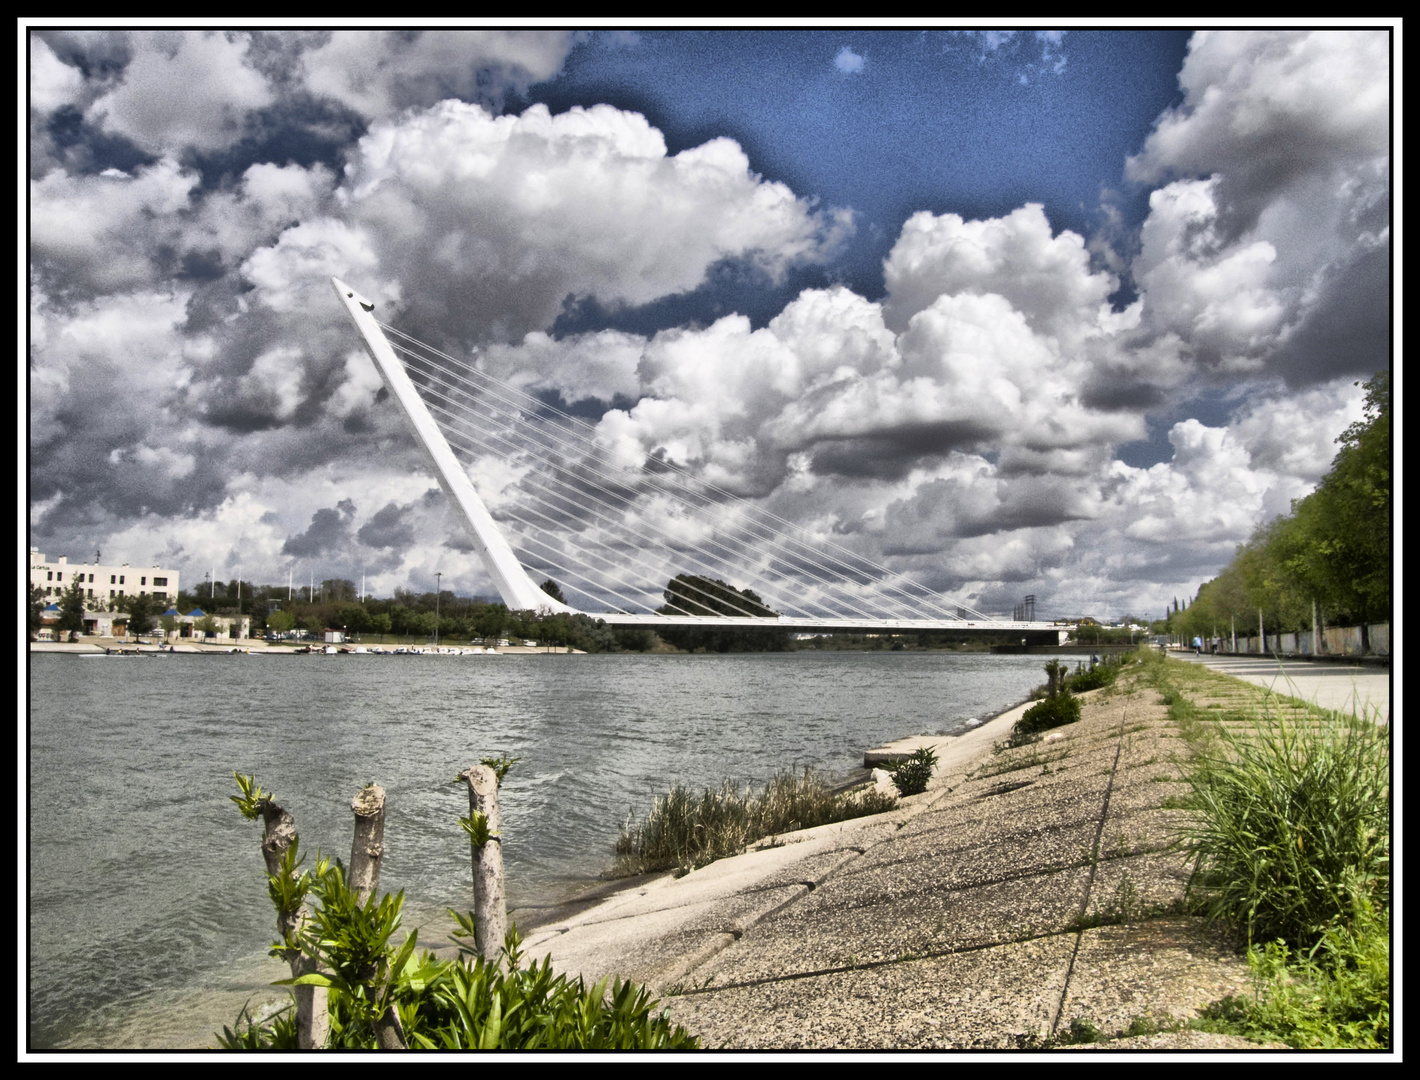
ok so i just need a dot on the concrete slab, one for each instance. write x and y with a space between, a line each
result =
1137 885
941 860
1162 970
861 921
985 999
664 944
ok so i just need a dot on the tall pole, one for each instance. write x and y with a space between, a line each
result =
509 577
437 576
288 584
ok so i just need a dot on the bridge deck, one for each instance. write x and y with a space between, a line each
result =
784 622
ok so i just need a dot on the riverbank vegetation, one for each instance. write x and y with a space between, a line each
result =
1290 846
1332 551
362 991
684 831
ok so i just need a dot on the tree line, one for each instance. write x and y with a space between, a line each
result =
1329 558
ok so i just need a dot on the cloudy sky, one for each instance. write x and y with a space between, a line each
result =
1064 313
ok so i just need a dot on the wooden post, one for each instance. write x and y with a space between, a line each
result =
489 906
368 848
312 1023
366 852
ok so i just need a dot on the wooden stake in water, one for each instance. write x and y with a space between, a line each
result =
312 1023
489 906
368 848
366 852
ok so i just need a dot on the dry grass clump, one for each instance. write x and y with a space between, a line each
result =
685 831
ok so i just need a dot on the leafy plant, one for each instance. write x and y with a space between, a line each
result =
910 776
1051 713
1092 679
476 825
251 797
1337 996
500 764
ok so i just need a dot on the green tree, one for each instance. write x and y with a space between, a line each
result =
281 622
71 609
207 625
1339 547
141 611
37 606
550 587
689 594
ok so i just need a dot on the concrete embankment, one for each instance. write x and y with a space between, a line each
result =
1024 890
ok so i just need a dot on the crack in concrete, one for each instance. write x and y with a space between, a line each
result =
1090 880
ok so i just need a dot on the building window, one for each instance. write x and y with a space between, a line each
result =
60 577
160 581
51 576
91 581
91 592
143 580
112 579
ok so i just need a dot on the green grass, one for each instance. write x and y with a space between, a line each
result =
685 831
1292 834
1290 844
1334 997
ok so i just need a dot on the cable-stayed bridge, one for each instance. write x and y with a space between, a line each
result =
632 540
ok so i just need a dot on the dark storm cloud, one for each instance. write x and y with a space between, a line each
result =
1347 330
330 528
891 455
389 528
1120 393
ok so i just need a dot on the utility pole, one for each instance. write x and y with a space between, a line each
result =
288 584
437 576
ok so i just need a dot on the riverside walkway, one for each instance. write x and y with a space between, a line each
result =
1027 897
1341 687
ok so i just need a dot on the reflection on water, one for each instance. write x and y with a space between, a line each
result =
149 920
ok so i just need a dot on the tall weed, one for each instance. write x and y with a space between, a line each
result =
1293 829
684 830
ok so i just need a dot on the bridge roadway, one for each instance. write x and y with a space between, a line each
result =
1035 632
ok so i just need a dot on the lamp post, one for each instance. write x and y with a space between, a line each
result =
437 578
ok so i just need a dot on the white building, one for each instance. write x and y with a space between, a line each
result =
101 583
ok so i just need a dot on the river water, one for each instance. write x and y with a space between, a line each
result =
148 916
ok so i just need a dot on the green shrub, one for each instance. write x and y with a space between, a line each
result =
1092 679
1292 835
1335 998
685 831
910 775
470 1004
1050 713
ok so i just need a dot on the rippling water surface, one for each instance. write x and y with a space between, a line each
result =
149 920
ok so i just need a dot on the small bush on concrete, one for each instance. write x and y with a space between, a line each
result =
1051 713
910 775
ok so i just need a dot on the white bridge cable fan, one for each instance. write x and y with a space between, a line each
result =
613 529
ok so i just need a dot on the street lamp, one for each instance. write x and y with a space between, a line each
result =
437 576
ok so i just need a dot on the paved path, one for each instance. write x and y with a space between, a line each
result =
1347 688
1022 892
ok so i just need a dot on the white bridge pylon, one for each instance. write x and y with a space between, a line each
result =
617 533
